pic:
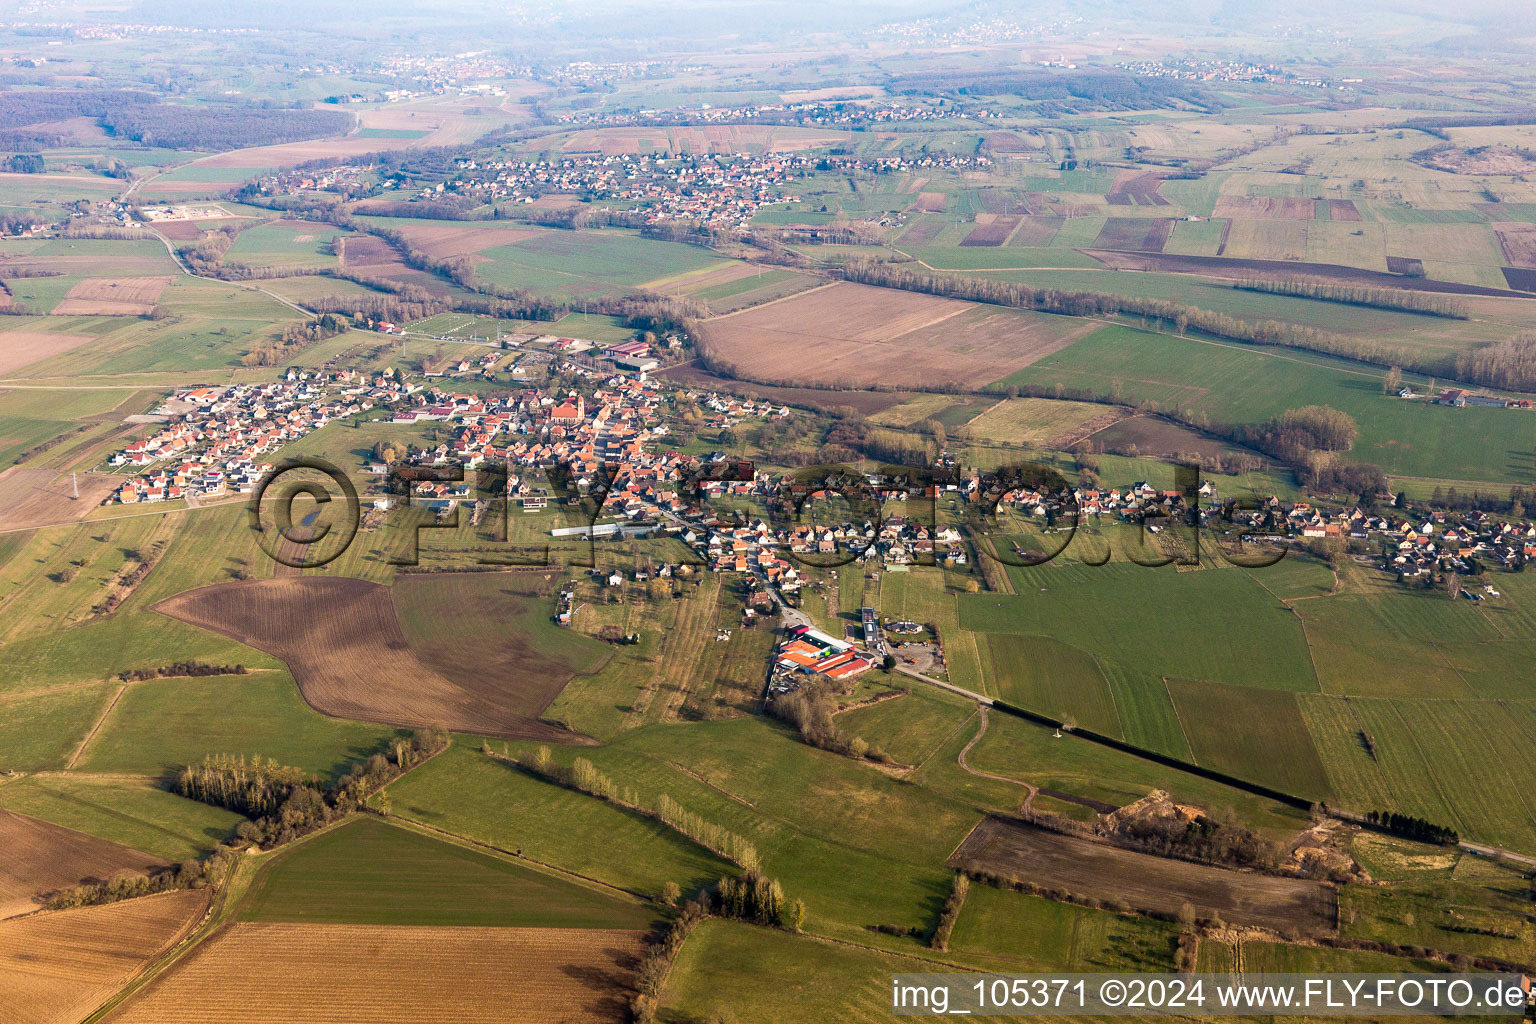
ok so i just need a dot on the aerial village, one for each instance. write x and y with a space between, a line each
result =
625 479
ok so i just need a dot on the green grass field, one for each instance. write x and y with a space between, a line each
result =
160 725
136 814
1133 617
1032 933
1019 750
574 263
763 976
467 793
1240 384
285 244
912 728
40 731
1047 676
367 871
1252 733
106 646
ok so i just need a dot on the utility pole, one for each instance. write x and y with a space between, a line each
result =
74 480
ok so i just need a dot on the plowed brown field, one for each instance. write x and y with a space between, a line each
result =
345 648
445 241
306 974
374 257
22 348
56 968
856 335
41 497
1146 882
38 858
112 296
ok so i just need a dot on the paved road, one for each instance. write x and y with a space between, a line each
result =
979 698
1497 852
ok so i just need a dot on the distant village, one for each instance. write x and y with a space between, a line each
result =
811 114
718 190
1224 70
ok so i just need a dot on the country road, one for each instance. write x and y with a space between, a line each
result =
187 270
981 699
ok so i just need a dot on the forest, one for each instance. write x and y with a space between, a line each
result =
219 127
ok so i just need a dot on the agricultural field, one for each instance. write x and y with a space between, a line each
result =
285 245
472 795
1013 929
367 872
853 335
1240 384
102 946
1106 872
49 857
1038 422
444 241
314 972
344 644
137 813
578 263
492 790
721 972
19 349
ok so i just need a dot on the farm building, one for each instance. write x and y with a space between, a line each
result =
812 652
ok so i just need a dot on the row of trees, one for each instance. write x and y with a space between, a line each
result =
756 898
707 834
189 874
1428 303
1180 317
1510 363
294 337
659 957
220 126
950 912
182 670
23 163
584 776
1309 428
751 897
283 802
254 788
1205 839
1410 827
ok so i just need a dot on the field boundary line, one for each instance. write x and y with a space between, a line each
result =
539 865
192 936
1305 636
1177 717
770 302
122 689
218 915
696 776
947 737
